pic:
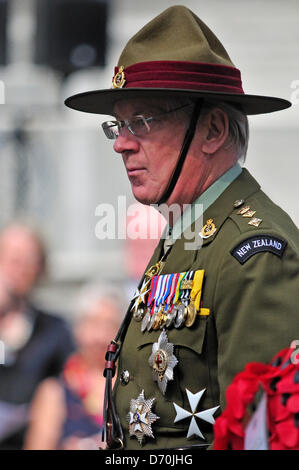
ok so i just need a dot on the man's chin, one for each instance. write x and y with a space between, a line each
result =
142 196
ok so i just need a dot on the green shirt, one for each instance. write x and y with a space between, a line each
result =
200 205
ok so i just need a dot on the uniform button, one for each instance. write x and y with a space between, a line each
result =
125 377
238 203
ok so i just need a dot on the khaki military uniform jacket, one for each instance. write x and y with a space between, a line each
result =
254 313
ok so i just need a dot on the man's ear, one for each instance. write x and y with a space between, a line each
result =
216 130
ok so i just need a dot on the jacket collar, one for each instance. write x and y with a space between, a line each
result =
241 188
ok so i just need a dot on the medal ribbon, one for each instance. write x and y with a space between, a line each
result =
174 282
153 287
112 433
186 292
178 290
163 288
190 290
159 289
167 289
197 288
156 286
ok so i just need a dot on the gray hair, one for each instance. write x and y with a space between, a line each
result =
238 133
96 292
238 122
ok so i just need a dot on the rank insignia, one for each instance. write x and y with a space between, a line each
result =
250 213
255 222
208 229
119 78
243 210
206 415
163 361
141 417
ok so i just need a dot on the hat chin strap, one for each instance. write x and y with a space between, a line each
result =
183 154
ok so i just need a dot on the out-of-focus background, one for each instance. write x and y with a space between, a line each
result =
56 167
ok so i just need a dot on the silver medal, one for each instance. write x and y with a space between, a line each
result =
171 317
140 417
152 319
180 316
162 361
145 320
139 313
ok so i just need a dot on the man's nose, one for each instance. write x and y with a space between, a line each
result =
126 141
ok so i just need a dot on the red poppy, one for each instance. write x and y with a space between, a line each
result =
280 382
293 403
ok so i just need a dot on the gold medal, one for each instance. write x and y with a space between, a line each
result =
191 314
208 229
119 78
163 321
158 319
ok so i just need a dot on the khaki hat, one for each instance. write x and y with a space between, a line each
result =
175 54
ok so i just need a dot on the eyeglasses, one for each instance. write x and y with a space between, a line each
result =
138 125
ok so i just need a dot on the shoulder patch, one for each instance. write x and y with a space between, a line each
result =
252 245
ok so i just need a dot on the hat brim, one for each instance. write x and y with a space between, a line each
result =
103 101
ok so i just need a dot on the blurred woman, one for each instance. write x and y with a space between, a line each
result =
66 413
36 342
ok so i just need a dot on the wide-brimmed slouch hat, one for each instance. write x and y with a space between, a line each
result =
175 54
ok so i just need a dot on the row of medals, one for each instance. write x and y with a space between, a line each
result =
177 315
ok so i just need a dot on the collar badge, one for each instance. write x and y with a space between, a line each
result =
208 229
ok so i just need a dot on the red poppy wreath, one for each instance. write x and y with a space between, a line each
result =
280 382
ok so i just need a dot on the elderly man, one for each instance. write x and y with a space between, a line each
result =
200 314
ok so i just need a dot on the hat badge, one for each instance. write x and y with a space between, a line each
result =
119 78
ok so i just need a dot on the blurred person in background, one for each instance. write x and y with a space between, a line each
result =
66 413
36 343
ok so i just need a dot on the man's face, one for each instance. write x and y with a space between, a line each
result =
150 160
19 260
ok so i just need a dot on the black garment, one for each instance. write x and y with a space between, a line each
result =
41 357
77 422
